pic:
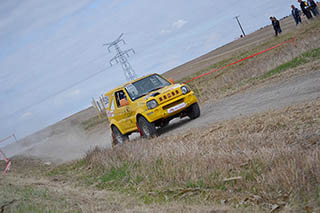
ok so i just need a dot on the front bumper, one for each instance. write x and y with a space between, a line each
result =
171 108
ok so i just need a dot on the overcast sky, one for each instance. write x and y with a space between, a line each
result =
46 47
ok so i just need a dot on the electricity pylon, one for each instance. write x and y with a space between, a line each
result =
121 57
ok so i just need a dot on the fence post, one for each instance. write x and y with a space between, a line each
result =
103 106
94 104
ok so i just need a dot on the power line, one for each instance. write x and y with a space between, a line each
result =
56 93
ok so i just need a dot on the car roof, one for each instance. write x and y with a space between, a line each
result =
127 83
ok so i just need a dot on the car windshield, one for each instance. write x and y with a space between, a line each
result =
144 86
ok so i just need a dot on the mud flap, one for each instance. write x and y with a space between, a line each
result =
139 130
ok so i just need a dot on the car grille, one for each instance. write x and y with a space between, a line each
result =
169 95
173 104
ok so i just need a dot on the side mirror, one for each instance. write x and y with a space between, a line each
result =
171 80
123 102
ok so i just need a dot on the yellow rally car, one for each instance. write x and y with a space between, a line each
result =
144 104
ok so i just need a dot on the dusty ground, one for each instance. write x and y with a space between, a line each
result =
64 141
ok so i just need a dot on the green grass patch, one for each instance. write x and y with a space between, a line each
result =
195 184
298 61
18 198
118 175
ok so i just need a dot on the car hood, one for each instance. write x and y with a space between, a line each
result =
164 94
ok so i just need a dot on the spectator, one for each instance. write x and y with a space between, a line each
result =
296 14
313 7
305 9
276 25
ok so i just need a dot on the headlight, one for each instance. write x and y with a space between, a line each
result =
152 104
185 90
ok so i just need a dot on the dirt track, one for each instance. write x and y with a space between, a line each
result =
284 93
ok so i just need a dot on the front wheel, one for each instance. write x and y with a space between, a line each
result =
118 137
193 111
148 129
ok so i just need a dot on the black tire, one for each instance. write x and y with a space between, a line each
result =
118 137
193 111
148 129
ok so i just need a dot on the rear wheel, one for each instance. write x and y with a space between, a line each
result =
148 129
193 111
118 137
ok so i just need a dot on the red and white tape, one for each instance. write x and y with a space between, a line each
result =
4 157
8 162
236 62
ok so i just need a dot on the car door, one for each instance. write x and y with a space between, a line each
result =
121 112
130 110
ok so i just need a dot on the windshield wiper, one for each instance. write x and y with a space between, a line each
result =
155 89
144 94
140 96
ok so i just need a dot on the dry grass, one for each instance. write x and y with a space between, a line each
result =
94 121
275 157
219 84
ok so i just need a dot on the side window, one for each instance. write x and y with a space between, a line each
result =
110 111
119 96
112 105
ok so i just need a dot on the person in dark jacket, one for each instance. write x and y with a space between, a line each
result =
296 14
313 7
305 9
276 25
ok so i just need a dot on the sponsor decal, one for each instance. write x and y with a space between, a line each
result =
177 107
